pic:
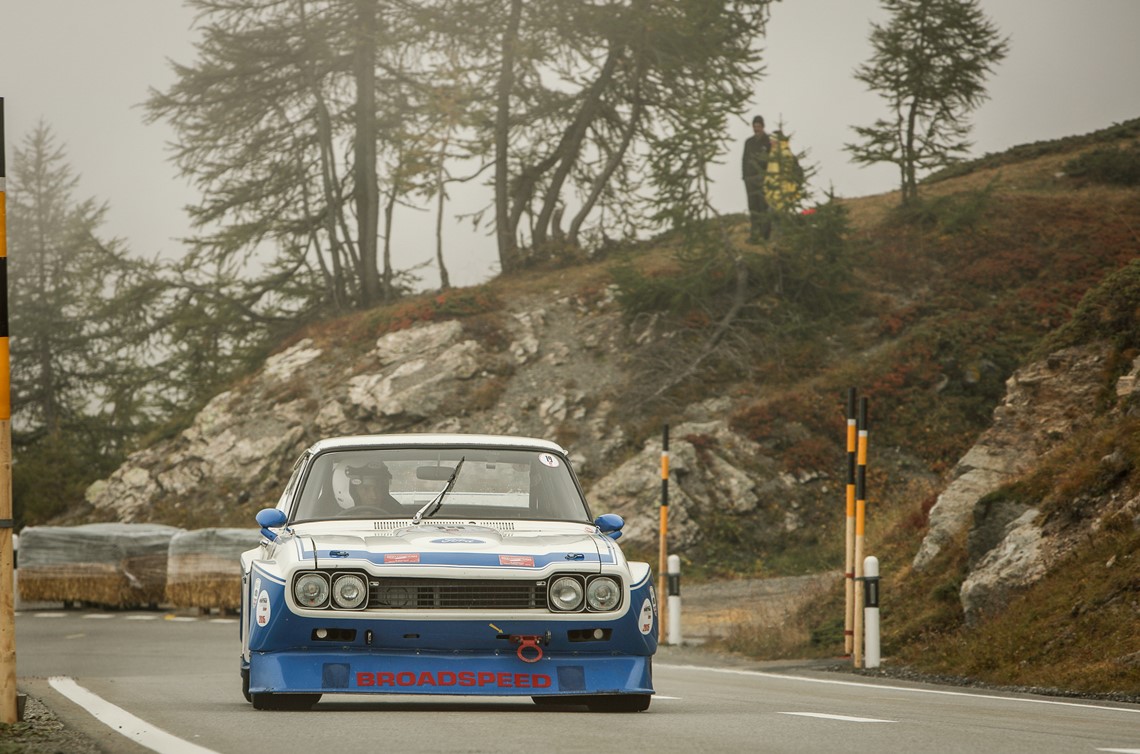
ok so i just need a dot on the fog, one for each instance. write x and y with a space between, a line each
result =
85 67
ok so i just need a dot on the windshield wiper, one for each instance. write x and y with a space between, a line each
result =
429 510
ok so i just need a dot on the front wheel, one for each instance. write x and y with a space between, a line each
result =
245 684
284 702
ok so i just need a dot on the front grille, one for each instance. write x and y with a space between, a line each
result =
456 594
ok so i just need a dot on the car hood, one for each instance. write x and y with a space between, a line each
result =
461 545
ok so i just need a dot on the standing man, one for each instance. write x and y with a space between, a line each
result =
755 169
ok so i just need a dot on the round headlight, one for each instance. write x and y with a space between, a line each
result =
603 593
311 590
349 591
565 594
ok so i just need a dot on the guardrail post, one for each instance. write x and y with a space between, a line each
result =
674 601
860 526
663 531
849 558
871 610
9 705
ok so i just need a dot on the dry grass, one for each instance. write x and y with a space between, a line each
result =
771 626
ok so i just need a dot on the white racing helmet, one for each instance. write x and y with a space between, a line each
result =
346 479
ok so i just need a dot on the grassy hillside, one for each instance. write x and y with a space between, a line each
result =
1006 260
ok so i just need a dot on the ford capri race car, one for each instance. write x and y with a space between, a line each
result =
443 564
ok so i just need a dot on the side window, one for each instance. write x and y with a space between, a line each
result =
291 487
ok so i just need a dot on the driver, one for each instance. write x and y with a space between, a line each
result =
364 486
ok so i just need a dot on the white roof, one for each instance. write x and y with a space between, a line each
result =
435 440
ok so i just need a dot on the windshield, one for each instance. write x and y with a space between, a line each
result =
493 483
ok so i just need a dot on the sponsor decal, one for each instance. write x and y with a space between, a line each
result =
516 560
445 678
263 609
645 620
402 557
548 460
458 541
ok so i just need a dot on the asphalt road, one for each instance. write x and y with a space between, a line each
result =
162 682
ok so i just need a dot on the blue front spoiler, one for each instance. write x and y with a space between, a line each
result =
490 674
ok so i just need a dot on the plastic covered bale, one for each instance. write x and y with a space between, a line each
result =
113 565
203 569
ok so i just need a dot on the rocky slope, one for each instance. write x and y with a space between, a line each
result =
1009 546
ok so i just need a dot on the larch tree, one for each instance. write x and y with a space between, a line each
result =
929 66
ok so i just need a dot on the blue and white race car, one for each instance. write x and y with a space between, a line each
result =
443 564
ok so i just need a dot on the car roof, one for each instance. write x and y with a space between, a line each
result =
433 440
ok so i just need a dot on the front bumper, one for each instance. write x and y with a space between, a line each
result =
482 673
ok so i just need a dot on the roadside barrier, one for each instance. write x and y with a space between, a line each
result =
674 600
871 610
860 526
855 603
849 563
663 531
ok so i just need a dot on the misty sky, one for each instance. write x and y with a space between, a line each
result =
83 66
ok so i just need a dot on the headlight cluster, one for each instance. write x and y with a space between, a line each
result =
313 589
568 594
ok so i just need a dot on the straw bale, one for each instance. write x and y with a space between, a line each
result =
203 567
114 565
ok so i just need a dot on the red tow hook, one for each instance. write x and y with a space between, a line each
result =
525 643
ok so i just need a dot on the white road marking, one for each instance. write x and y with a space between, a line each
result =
142 617
118 719
846 718
1122 751
51 615
97 616
906 689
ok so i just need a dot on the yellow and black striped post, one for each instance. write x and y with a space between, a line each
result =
663 530
849 539
860 528
8 694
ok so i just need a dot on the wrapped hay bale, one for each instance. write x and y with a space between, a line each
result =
203 567
114 565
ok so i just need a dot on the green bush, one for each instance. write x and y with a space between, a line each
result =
950 214
1111 309
1111 165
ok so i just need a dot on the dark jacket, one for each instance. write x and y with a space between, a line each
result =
755 162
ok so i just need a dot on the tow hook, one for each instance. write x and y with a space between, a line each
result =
530 647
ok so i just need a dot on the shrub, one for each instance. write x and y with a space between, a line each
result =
1111 165
1108 309
951 214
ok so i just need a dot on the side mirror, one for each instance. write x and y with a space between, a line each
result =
610 524
270 518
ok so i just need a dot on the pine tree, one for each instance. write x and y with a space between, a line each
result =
79 385
929 65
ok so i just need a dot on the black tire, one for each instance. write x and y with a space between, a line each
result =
285 702
618 703
245 684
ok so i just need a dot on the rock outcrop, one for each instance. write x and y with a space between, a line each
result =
1008 548
543 369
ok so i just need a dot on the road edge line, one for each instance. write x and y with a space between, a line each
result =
119 720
